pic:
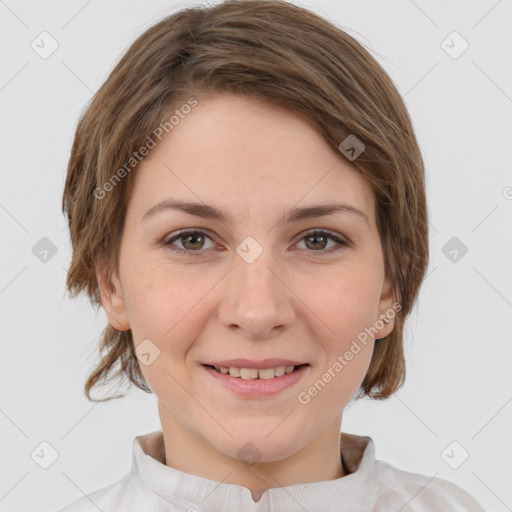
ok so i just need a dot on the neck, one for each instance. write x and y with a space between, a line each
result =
318 461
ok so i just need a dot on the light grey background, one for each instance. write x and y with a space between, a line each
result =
457 340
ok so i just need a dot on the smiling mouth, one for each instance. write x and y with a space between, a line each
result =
255 373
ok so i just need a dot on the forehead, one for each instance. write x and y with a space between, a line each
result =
247 155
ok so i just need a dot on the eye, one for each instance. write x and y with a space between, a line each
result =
317 241
191 241
194 240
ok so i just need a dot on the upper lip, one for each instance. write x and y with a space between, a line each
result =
261 365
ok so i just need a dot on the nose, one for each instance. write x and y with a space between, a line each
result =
257 301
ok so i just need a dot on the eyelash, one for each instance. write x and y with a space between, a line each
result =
342 243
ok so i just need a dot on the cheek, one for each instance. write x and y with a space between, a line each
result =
163 309
164 306
347 303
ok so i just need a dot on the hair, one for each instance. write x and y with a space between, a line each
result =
276 52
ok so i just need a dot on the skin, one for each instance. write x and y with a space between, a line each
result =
255 161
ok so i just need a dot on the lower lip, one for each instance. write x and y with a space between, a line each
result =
258 387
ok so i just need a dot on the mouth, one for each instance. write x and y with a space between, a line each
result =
257 383
256 373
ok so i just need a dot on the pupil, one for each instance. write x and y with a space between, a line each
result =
193 236
316 245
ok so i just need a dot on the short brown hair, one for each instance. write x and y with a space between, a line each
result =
271 50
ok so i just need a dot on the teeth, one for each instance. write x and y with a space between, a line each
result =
280 370
255 373
249 373
234 372
268 373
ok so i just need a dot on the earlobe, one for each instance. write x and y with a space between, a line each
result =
113 300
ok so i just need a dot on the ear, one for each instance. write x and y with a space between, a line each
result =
112 298
388 308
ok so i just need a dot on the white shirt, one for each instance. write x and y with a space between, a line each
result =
372 485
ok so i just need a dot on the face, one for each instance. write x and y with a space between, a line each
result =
258 284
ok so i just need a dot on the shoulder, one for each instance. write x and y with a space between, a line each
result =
420 493
104 496
124 495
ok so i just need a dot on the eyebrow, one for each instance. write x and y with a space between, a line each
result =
294 215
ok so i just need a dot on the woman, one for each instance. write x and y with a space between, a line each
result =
246 200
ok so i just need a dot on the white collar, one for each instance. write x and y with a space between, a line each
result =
202 493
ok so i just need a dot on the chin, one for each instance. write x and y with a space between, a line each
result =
257 445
